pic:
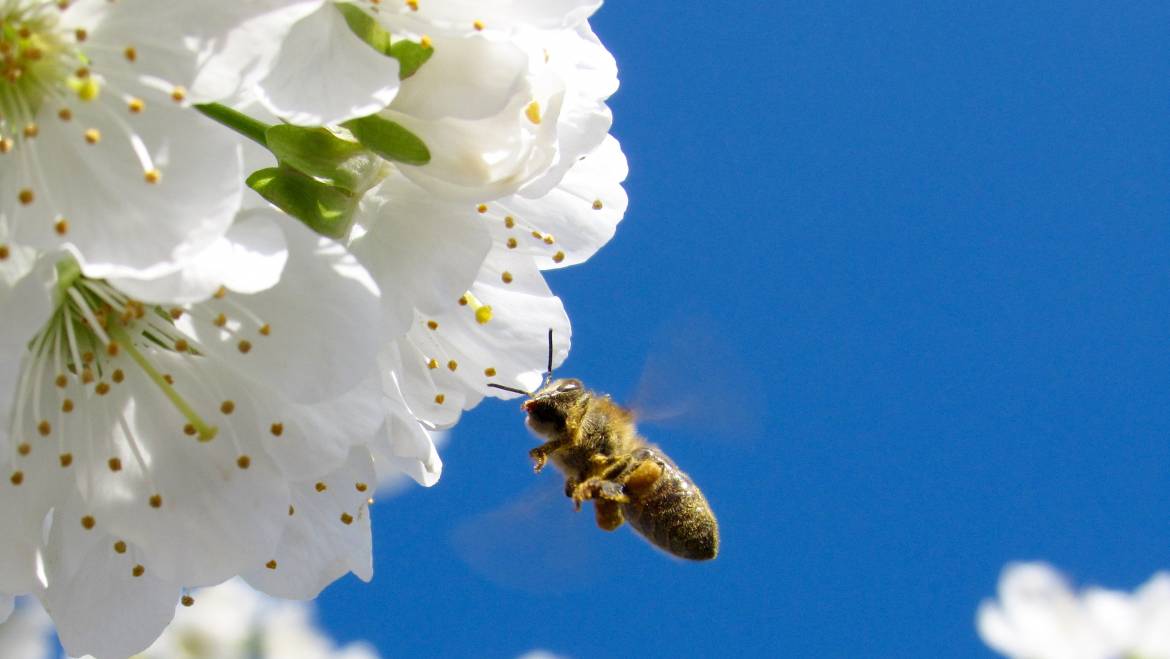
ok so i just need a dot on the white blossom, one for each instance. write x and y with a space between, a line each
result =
27 633
1039 616
103 154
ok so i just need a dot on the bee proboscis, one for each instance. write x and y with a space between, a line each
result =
595 445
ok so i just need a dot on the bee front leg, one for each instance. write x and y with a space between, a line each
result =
540 453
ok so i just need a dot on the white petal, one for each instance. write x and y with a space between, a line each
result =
422 251
327 534
404 446
322 322
7 604
27 633
118 223
249 258
326 75
98 605
459 16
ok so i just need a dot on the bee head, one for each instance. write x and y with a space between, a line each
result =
549 407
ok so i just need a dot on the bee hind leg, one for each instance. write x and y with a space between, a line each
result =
600 490
609 514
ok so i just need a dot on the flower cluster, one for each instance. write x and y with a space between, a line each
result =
252 255
1038 616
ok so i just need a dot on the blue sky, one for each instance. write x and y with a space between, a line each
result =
936 238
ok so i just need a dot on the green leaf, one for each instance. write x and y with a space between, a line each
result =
321 154
365 27
324 208
410 56
389 140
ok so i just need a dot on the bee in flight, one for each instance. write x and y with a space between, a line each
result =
593 442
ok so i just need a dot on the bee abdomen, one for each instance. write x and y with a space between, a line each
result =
674 515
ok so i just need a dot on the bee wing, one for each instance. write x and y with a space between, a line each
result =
693 380
523 541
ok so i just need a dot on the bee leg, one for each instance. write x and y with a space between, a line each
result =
643 477
602 490
609 514
541 453
570 485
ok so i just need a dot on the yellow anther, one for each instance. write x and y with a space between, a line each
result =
136 105
24 448
88 522
548 239
80 34
509 221
115 464
44 428
138 570
425 42
181 345
179 94
65 114
227 407
320 486
478 25
88 89
244 346
558 257
93 136
65 459
4 254
219 293
277 429
482 208
533 112
152 176
291 511
597 205
483 314
463 300
432 325
130 53
25 196
512 243
31 130
489 372
120 547
265 329
506 277
243 462
102 389
271 565
346 519
187 600
156 501
413 4
433 363
360 487
220 320
61 227
439 398
452 365
189 429
118 376
67 405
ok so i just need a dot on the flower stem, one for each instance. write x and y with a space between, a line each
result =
253 129
206 432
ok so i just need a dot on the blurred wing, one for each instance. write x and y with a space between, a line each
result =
694 380
535 542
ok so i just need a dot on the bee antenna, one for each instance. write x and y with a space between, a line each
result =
512 389
548 373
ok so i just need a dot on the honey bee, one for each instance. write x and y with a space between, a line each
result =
593 442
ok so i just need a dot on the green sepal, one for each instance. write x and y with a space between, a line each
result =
365 27
323 155
410 56
389 139
324 208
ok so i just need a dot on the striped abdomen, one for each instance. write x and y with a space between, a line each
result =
672 513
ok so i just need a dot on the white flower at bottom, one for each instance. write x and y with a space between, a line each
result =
1038 616
27 633
151 448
